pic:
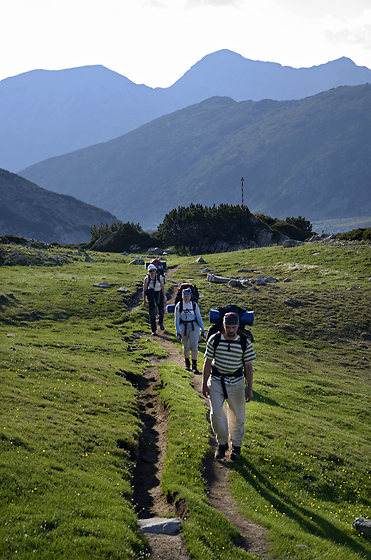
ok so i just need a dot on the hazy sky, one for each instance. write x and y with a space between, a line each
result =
156 41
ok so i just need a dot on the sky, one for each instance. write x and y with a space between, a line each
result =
154 42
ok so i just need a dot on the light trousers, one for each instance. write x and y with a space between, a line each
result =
191 338
232 423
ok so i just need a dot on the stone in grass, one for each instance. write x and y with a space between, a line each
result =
362 525
160 525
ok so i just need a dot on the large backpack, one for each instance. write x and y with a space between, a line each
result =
179 292
160 265
216 318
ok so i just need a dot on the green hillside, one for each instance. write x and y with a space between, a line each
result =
309 157
32 212
71 358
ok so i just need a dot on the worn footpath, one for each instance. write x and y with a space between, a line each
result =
149 500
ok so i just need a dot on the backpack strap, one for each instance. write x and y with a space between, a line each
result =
218 336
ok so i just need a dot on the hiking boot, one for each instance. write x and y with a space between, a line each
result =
153 333
194 366
236 453
162 326
187 364
220 454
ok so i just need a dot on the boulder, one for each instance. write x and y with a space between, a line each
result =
154 251
160 525
217 279
362 525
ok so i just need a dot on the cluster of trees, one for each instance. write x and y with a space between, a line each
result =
196 225
296 228
126 236
359 234
186 227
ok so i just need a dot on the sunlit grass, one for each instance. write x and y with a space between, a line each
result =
71 358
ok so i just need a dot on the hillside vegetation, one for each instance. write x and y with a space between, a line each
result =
309 157
72 354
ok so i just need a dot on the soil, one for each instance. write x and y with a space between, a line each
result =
149 500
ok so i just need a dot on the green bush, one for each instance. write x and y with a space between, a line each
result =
356 234
296 228
126 236
196 226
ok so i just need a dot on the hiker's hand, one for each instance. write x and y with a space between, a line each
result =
203 334
205 390
248 394
179 336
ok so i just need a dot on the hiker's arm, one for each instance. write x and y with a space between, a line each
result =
163 289
249 378
205 377
199 318
177 320
145 286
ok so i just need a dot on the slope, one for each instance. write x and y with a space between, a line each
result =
309 157
48 113
32 212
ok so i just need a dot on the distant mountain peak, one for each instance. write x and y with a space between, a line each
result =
47 113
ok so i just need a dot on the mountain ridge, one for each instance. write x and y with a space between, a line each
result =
30 211
308 157
45 113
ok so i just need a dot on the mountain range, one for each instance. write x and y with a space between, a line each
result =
49 113
308 157
34 213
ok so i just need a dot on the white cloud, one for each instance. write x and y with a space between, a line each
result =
216 3
352 31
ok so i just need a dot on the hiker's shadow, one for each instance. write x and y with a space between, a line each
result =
258 397
307 519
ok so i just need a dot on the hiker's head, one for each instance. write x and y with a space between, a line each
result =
187 294
231 322
152 269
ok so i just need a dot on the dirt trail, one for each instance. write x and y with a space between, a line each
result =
149 500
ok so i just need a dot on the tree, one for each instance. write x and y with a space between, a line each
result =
300 223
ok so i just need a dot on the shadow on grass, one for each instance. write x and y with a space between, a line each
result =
308 520
266 400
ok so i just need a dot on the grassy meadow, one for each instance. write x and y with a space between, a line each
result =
72 355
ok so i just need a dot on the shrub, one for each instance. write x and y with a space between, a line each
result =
124 237
356 234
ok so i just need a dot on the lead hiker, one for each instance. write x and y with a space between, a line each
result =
188 322
154 292
227 366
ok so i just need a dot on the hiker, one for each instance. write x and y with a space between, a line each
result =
226 367
154 292
188 322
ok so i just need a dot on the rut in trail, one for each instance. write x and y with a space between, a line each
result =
149 500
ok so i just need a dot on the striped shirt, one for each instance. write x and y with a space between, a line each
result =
228 356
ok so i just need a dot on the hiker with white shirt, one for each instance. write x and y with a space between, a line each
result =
154 292
228 376
188 322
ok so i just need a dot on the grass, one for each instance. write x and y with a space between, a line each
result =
69 368
69 419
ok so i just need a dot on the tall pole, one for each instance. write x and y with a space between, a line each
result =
242 180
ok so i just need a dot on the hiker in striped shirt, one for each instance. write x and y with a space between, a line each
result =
228 363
